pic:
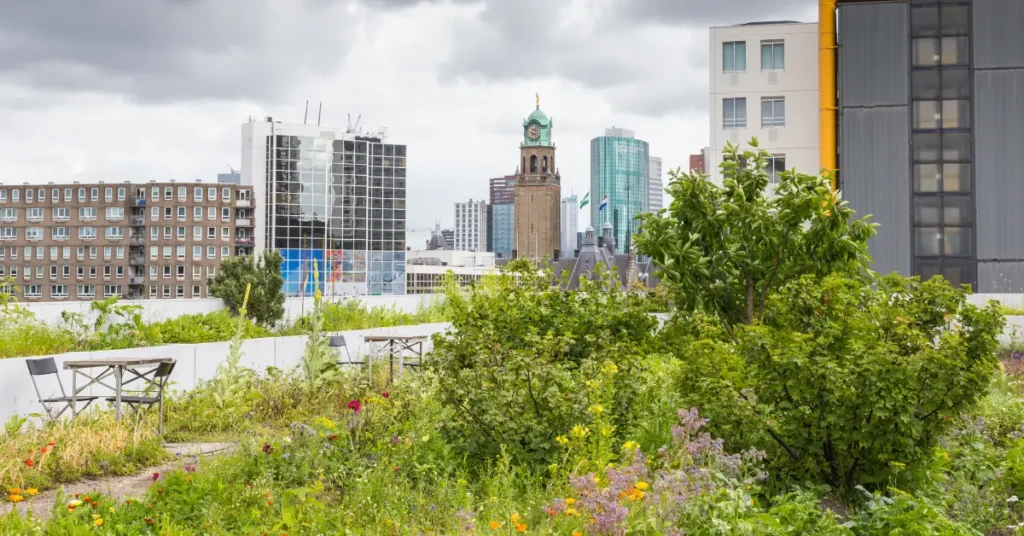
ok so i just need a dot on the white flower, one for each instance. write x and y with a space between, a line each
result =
1012 499
286 440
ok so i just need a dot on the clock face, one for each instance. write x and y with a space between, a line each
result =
533 132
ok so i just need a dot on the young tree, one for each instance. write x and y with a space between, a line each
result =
266 301
724 249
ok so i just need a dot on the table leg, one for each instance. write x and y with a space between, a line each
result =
74 393
118 376
401 361
391 360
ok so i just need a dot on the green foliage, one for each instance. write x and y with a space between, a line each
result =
515 363
200 328
725 250
353 314
905 514
319 360
266 305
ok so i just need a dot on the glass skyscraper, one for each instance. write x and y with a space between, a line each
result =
502 217
334 198
619 170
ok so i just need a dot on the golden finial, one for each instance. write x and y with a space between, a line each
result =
538 99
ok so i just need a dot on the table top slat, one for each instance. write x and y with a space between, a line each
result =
387 338
115 362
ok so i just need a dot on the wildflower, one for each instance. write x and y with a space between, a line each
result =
495 525
642 486
570 501
514 517
570 511
51 444
630 445
354 405
609 368
43 450
156 476
386 394
30 462
149 521
561 440
267 448
14 491
332 437
596 409
286 440
1012 499
577 533
15 498
74 504
31 491
98 522
579 432
461 482
521 527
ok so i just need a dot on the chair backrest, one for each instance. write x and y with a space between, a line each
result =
164 369
41 366
338 341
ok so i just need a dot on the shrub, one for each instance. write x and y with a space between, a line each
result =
514 365
263 275
209 327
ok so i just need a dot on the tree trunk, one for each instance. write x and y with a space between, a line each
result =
750 301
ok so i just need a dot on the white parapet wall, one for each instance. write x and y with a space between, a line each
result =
195 363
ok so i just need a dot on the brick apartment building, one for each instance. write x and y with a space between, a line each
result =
91 241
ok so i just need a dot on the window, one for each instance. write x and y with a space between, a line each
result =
29 195
81 195
167 271
121 193
168 213
94 194
167 291
55 195
197 214
225 252
60 233
225 233
154 232
734 56
33 233
225 214
168 193
87 213
211 233
31 291
152 291
41 195
92 272
34 214
67 195
3 196
53 272
58 291
197 233
28 253
154 272
8 233
111 290
225 194
734 113
211 194
80 253
65 253
197 253
211 271
773 112
61 213
9 214
167 252
114 233
180 250
181 271
119 252
182 193
39 252
197 193
179 291
155 193
940 51
86 291
108 194
181 213
92 252
65 272
154 252
948 177
167 233
181 233
197 271
211 252
80 272
119 272
196 291
154 213
211 213
107 251
115 213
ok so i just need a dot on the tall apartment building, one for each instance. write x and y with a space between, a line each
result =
328 199
655 186
764 84
931 137
92 241
570 223
502 216
697 162
538 191
471 226
619 170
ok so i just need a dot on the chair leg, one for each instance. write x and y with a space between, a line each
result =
160 418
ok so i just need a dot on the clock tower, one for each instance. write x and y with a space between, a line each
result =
538 191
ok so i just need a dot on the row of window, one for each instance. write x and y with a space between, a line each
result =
39 194
197 233
116 272
197 213
197 252
773 112
82 291
61 233
61 214
734 56
62 252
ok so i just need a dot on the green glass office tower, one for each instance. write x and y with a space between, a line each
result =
618 169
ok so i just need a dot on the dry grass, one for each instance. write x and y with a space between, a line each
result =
64 451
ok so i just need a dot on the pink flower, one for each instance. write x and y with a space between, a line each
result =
354 405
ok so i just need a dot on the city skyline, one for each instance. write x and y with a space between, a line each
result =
127 117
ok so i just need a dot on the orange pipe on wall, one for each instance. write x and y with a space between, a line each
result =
827 86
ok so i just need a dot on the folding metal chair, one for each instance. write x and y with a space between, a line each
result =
338 341
161 375
44 367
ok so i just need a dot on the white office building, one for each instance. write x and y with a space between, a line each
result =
655 186
764 84
570 224
471 226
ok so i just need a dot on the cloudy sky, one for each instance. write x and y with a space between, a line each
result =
138 90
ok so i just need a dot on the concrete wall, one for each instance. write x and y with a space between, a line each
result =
155 310
195 363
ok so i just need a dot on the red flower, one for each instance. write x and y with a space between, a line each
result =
156 476
52 444
267 448
386 394
30 462
354 405
43 450
332 437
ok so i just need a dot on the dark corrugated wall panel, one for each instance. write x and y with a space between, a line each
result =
999 163
873 54
1000 277
874 162
998 33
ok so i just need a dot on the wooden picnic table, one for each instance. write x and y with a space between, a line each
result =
116 367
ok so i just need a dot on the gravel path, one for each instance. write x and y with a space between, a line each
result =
119 487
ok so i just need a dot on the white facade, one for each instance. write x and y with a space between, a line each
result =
471 226
764 84
570 224
451 258
655 187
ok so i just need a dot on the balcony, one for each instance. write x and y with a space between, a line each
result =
243 203
138 221
114 238
136 280
137 241
137 261
243 241
243 222
34 219
139 201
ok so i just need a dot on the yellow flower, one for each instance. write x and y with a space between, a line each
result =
14 491
95 516
461 482
570 511
630 445
607 430
98 522
609 368
561 440
642 486
514 517
495 525
570 501
31 491
596 409
579 432
15 498
520 527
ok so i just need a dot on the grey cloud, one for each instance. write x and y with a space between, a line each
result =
170 50
700 13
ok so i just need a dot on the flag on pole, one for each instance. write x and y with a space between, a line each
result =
585 201
604 203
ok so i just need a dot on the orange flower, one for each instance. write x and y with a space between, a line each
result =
14 491
43 450
495 525
30 462
51 444
577 533
15 498
520 527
